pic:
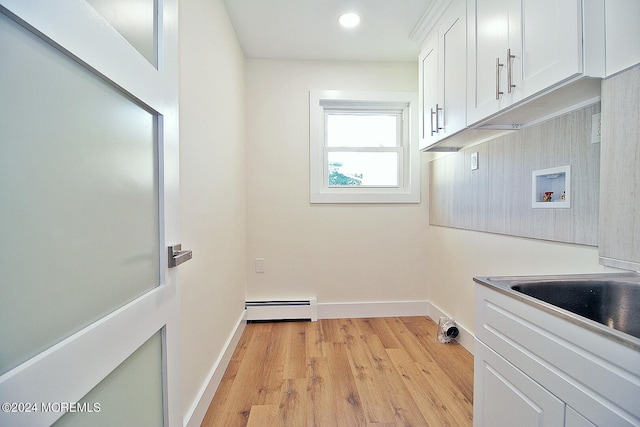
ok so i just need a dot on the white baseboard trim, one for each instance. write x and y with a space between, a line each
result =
465 338
372 309
198 409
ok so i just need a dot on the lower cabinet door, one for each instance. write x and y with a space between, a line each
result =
574 419
505 397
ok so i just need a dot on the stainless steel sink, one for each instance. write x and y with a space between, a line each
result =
610 302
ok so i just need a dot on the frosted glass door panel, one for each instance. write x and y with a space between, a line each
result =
135 20
130 396
78 197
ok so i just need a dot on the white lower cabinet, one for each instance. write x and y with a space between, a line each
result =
506 397
574 419
534 368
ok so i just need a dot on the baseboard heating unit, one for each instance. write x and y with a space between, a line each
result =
304 309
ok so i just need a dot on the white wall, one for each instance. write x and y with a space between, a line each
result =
338 253
212 175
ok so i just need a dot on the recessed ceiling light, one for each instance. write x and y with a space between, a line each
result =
349 19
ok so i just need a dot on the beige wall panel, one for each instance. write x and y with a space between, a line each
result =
620 208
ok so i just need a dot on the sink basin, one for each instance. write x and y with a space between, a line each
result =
612 303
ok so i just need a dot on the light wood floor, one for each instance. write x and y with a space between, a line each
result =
345 372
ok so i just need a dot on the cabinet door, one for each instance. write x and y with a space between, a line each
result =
453 67
428 64
518 48
505 397
623 34
547 44
574 419
488 42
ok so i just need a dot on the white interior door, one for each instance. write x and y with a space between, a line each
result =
89 310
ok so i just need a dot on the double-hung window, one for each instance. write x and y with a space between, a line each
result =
363 147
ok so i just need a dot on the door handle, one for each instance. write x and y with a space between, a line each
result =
177 256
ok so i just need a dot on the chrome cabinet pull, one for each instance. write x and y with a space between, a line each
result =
437 128
509 71
498 65
432 113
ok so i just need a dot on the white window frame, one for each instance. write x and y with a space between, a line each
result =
408 188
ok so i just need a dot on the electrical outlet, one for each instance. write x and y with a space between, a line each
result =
595 128
259 265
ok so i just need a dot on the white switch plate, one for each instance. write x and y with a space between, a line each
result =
259 265
474 161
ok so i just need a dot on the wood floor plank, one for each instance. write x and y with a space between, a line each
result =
331 330
296 407
264 415
385 397
451 357
315 340
348 329
348 403
362 326
439 401
374 398
344 372
452 403
405 409
423 396
234 405
257 380
295 350
321 393
408 340
381 328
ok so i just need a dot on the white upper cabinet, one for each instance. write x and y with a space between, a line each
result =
499 65
623 34
453 66
519 48
428 90
550 45
489 36
442 73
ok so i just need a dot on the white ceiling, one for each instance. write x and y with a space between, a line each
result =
309 29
